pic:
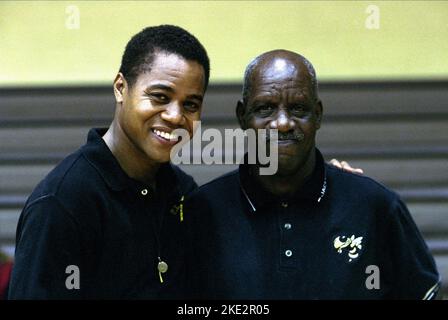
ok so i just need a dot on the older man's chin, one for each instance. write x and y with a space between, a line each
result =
287 166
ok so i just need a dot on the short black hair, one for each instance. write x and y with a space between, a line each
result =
139 53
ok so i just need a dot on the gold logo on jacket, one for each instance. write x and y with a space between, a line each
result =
351 245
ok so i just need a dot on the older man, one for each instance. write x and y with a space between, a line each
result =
309 231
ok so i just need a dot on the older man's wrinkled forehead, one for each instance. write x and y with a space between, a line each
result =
280 69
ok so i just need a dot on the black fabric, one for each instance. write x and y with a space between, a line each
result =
243 233
314 186
87 212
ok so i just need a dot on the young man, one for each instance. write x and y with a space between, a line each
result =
101 224
309 231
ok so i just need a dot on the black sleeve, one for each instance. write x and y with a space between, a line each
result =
47 242
415 272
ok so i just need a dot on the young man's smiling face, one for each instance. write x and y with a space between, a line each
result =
166 98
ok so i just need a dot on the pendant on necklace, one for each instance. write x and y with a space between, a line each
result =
162 266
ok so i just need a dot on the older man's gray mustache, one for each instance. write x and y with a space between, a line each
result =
283 136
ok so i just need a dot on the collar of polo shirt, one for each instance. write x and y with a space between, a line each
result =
313 189
115 177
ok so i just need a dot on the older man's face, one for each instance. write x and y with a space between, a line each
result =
281 98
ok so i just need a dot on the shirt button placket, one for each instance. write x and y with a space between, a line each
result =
287 238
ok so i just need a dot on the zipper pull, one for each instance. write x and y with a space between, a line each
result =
181 207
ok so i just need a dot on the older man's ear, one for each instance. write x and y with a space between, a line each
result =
240 109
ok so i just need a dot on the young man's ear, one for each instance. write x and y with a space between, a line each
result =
240 110
319 112
120 87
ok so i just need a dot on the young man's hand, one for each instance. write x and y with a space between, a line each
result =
344 165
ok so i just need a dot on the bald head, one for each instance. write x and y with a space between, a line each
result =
279 62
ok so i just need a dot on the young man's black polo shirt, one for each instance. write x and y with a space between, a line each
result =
341 236
87 212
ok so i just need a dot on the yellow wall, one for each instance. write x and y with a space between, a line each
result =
36 48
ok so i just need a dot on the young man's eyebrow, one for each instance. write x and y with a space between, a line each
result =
169 89
160 86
